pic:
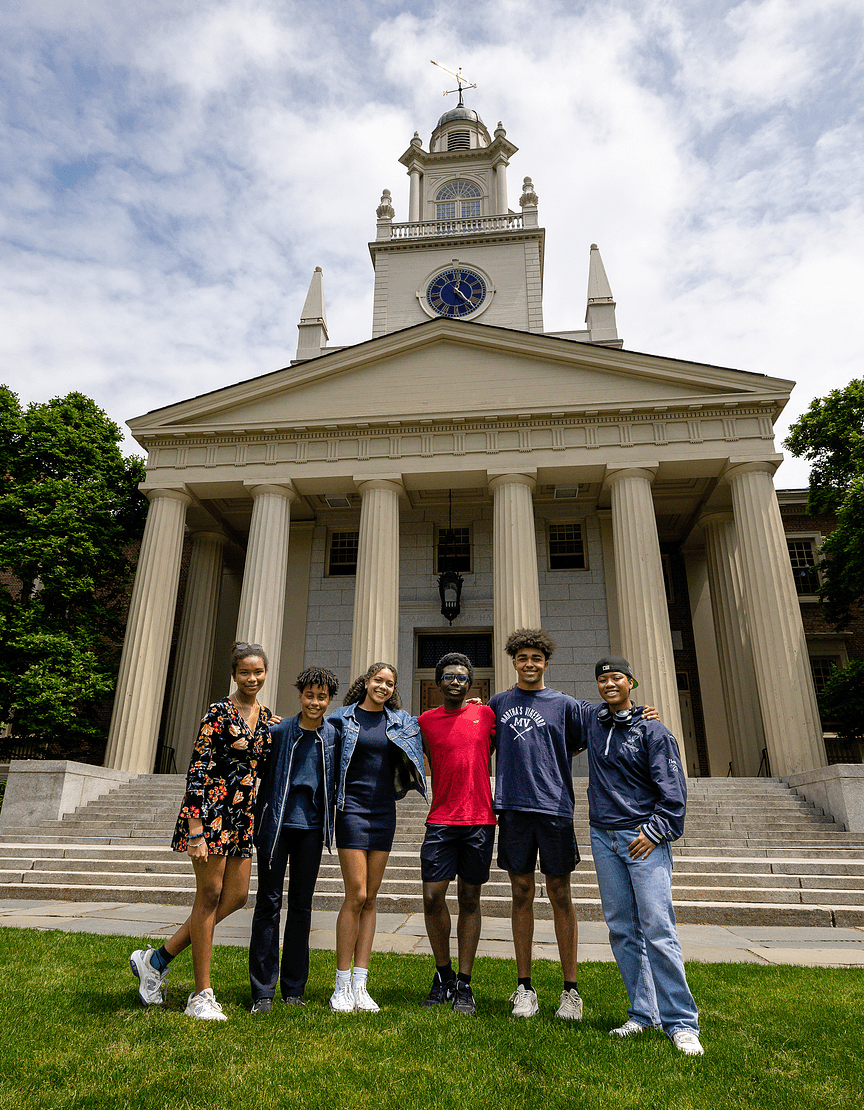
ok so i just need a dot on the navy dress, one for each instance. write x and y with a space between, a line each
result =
368 820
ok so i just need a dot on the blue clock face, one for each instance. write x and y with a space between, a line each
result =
456 292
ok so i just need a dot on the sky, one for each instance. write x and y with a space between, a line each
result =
172 172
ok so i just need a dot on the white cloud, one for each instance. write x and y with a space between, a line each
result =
170 175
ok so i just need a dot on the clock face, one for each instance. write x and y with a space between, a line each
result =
456 292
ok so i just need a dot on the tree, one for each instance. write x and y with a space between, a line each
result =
831 435
841 700
70 519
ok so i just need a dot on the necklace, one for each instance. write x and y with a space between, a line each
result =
247 712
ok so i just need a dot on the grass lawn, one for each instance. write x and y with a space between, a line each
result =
73 1035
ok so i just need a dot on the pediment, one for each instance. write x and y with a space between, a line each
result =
447 369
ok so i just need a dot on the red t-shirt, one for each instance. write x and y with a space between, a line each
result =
459 746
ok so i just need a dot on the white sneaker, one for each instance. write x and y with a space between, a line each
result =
151 983
524 1001
571 1006
629 1029
204 1006
362 1001
342 999
686 1041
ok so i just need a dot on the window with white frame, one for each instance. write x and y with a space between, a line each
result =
805 563
342 550
565 543
458 200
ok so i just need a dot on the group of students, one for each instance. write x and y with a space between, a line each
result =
290 787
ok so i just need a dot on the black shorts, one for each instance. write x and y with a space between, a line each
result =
521 835
451 850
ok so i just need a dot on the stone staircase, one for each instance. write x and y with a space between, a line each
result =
754 852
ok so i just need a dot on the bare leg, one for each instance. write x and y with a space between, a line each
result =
522 920
467 924
566 926
183 937
354 867
437 917
376 862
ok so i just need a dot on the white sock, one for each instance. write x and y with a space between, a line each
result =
359 977
343 978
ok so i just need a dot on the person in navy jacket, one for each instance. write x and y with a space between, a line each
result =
295 820
637 799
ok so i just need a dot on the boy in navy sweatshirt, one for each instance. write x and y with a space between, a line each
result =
637 798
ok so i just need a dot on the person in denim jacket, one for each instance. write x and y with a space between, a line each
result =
295 820
381 759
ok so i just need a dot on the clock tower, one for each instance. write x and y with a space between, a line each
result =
463 254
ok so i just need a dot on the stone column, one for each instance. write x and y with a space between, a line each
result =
516 588
501 187
262 600
737 677
134 730
190 689
375 634
413 195
643 614
790 716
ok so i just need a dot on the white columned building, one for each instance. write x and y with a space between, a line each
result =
569 482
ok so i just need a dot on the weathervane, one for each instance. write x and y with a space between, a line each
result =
460 81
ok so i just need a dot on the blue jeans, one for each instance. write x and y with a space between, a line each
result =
637 905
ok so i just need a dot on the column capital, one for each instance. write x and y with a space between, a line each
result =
393 484
716 516
280 489
177 493
734 468
616 474
215 535
498 478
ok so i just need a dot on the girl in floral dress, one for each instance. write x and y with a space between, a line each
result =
215 828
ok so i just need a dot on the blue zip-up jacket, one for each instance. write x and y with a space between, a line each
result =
635 775
402 730
278 774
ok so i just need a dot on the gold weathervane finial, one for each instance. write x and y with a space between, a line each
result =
461 83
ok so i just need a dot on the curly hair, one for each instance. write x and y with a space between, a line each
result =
241 650
357 689
529 638
317 676
453 659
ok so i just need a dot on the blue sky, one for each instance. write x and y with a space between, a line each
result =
172 173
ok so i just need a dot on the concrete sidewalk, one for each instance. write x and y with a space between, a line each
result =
397 932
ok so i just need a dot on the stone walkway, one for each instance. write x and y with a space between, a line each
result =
755 944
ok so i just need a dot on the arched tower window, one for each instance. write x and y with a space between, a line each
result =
456 200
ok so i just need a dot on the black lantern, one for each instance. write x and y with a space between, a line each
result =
450 580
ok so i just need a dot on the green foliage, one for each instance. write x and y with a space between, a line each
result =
71 514
75 1036
841 701
831 435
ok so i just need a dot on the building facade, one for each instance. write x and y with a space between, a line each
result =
621 500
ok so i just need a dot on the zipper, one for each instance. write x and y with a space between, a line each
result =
284 800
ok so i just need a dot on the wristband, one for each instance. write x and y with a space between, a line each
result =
195 836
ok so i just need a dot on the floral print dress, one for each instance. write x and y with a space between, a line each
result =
220 786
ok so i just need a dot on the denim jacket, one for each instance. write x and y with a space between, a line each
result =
277 777
402 730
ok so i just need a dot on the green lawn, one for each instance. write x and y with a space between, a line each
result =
73 1035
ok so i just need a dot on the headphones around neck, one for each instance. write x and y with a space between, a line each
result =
619 717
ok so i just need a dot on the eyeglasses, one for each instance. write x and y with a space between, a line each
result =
462 679
242 647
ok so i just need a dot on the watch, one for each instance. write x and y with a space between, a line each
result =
456 292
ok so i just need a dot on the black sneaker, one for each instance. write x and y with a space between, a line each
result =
294 1000
463 999
262 1006
440 991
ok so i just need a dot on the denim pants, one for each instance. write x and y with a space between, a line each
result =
637 906
299 852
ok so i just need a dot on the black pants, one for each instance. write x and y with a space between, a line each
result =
298 851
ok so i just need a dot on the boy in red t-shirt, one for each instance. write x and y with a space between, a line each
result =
460 829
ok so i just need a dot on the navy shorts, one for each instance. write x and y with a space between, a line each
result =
451 850
522 835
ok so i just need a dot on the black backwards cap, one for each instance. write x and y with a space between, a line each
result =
611 663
